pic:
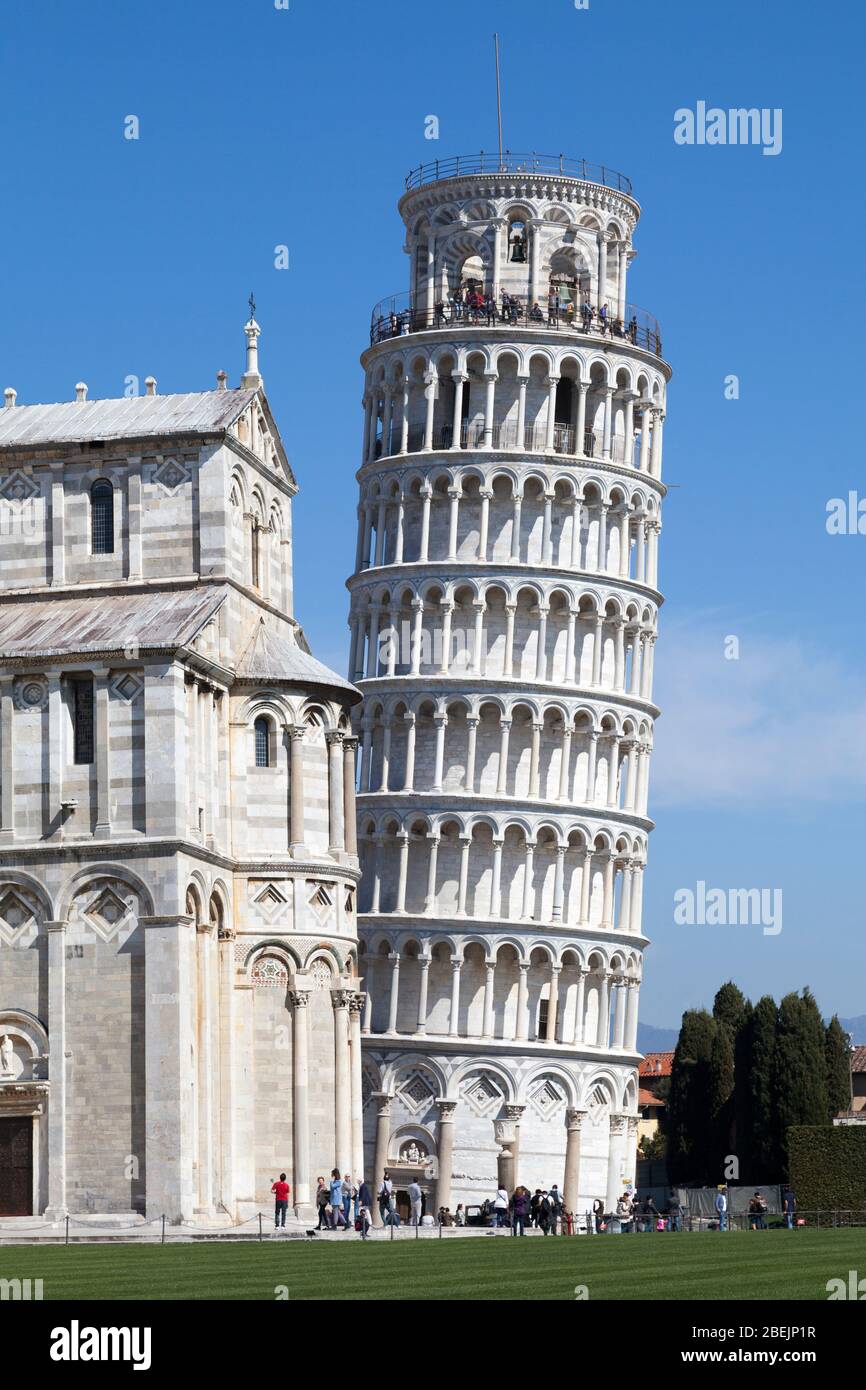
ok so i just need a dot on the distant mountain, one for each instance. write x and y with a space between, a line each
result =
855 1026
650 1039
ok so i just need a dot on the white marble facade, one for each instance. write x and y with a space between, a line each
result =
180 1005
503 619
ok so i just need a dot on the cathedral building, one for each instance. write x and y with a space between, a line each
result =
180 1004
504 615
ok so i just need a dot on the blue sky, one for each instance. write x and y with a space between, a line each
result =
261 126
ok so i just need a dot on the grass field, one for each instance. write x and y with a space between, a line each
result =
738 1265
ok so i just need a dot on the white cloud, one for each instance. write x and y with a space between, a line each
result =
787 720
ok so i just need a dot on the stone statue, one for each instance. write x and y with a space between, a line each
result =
413 1153
6 1055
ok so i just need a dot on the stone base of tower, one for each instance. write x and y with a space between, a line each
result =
462 1122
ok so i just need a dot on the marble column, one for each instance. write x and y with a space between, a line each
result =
300 998
383 1136
296 738
341 999
445 1151
349 811
7 761
356 1008
615 1179
571 1180
336 825
56 1209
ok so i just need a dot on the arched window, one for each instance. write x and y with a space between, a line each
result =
102 518
262 731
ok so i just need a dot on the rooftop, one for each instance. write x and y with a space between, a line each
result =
656 1064
130 417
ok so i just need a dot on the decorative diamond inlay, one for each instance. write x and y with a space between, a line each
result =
482 1094
170 475
128 685
18 488
14 911
416 1092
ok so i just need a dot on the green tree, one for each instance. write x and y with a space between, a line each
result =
799 1070
758 1145
719 1101
838 1059
731 1007
691 1142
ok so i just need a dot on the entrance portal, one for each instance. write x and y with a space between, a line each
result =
16 1166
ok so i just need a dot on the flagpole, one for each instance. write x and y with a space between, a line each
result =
498 96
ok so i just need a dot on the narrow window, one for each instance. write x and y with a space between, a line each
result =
82 720
543 1010
102 518
262 731
254 549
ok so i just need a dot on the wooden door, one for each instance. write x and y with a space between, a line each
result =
16 1166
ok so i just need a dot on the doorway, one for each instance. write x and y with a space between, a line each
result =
16 1166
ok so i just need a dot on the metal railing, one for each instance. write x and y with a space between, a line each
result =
510 163
398 315
505 436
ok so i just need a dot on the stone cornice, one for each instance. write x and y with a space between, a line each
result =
565 465
484 687
139 848
459 571
496 928
509 333
438 1043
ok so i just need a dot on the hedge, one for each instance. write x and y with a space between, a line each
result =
827 1166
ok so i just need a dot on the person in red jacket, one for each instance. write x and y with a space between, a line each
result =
281 1192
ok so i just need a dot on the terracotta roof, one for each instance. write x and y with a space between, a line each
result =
272 654
130 417
105 623
645 1097
858 1059
656 1064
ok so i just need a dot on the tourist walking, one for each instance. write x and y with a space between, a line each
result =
789 1207
365 1204
722 1207
598 1216
321 1202
675 1213
281 1192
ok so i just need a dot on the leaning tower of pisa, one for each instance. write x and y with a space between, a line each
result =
503 621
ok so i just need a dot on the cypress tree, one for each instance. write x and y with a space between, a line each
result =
838 1058
720 1098
799 1070
758 1150
731 1010
691 1139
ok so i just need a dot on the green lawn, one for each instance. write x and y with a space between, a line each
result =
737 1265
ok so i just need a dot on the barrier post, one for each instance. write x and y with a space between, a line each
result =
66 1242
260 1226
162 1241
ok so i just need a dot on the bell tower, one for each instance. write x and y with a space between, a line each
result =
504 614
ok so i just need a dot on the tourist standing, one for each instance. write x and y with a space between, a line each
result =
415 1200
519 1211
500 1207
789 1207
385 1193
722 1207
281 1192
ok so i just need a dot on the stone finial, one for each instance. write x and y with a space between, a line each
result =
80 392
150 385
11 396
251 377
222 379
